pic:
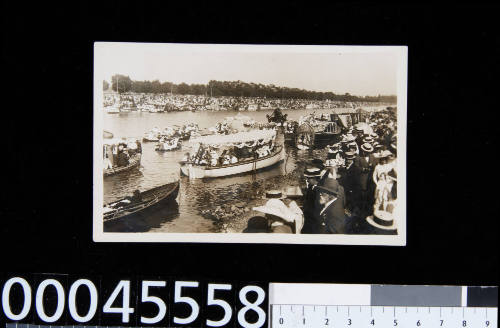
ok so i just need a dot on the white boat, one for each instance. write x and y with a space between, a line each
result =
168 145
204 171
196 171
112 109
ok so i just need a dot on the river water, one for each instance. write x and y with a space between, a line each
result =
159 168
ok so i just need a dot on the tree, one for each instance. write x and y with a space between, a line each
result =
121 83
105 85
183 89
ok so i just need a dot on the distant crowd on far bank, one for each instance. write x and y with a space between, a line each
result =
168 102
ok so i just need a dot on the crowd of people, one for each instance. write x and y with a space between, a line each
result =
352 190
173 102
358 179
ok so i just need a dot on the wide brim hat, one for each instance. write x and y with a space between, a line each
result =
382 220
366 147
277 208
312 172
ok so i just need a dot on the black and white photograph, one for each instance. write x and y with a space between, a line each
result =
250 143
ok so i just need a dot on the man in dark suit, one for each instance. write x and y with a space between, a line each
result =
361 170
329 213
312 177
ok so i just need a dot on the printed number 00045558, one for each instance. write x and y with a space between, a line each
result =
123 288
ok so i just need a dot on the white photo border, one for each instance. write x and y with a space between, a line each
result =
99 235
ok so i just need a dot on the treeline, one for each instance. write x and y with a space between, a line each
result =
121 84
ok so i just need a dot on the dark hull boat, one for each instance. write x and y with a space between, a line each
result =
151 200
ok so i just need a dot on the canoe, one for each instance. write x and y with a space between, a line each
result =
205 171
134 162
150 200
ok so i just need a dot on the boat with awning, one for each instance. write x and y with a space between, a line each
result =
248 151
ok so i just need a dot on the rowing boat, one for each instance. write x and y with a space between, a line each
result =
134 162
151 200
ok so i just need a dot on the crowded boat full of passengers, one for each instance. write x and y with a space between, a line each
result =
121 155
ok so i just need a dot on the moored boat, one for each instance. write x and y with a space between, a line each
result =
258 147
113 109
134 162
205 171
141 202
120 155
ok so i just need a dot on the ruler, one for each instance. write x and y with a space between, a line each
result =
354 316
382 306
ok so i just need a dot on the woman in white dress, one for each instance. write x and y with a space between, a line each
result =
383 184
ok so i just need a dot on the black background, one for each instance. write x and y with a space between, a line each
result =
46 123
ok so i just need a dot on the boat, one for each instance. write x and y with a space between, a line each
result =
134 162
327 128
250 138
149 201
112 109
168 145
107 134
304 136
151 137
277 117
112 150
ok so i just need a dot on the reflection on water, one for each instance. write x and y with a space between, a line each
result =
159 168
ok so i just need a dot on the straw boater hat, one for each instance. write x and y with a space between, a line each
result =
312 172
368 139
366 147
350 154
382 220
353 145
277 194
277 208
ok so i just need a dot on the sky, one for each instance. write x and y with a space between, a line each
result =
357 70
